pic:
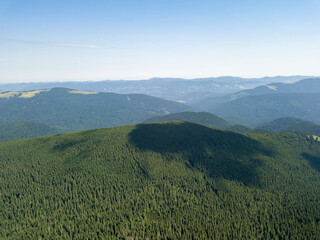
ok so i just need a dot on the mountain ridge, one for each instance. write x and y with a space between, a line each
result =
204 118
80 110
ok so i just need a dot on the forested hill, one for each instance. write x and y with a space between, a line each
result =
196 117
171 180
22 129
291 124
80 110
280 124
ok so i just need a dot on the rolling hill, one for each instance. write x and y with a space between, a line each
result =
196 117
171 180
291 124
79 110
20 129
280 124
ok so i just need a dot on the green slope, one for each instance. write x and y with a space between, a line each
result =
21 129
196 117
280 124
172 180
291 124
79 110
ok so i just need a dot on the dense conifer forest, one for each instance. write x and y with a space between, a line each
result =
172 180
22 129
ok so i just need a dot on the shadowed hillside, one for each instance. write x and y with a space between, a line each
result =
220 154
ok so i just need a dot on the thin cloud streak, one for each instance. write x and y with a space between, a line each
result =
53 44
74 45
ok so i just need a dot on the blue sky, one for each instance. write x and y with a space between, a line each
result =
121 39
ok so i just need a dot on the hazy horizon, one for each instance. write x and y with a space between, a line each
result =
147 79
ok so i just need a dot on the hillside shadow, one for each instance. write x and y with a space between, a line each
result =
314 161
219 154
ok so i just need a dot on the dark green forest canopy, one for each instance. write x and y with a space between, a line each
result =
167 180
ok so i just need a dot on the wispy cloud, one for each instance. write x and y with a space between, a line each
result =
58 44
53 44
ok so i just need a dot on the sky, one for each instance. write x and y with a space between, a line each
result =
42 40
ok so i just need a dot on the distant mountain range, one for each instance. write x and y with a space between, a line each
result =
79 110
310 85
176 89
263 108
265 103
307 85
